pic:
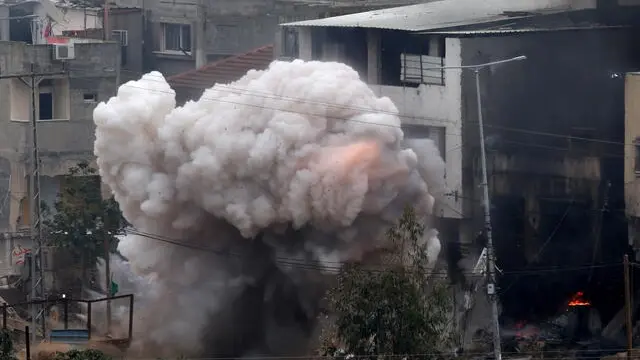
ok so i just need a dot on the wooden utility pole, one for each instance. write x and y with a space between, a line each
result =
627 306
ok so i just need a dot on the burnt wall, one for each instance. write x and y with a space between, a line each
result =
553 126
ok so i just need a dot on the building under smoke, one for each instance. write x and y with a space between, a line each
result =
243 201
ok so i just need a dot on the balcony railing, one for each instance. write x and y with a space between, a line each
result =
421 69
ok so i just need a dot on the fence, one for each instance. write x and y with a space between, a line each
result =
11 322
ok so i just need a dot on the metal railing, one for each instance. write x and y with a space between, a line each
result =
422 69
9 321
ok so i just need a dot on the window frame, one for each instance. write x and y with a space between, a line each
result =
163 40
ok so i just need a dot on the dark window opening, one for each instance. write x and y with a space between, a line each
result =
290 48
46 106
411 60
90 98
20 25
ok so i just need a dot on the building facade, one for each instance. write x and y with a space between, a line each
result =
64 108
178 37
553 125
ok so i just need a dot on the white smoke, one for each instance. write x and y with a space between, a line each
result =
295 165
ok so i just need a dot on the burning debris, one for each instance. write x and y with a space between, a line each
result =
578 300
244 200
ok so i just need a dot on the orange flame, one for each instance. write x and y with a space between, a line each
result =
578 300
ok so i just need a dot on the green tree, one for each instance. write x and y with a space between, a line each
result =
392 310
82 219
88 354
7 351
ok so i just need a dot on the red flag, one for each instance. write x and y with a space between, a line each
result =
47 29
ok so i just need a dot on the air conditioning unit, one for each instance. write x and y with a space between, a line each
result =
120 36
64 52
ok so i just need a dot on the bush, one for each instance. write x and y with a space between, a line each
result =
88 354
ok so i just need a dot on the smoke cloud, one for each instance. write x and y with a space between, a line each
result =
245 201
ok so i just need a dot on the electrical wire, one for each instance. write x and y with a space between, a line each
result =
337 266
267 95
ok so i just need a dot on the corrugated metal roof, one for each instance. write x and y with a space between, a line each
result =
223 71
509 31
441 14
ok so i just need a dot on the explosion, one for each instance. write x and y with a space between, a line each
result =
245 201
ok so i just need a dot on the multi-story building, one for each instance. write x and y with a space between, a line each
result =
174 37
553 124
82 74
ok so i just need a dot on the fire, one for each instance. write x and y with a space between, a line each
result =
578 300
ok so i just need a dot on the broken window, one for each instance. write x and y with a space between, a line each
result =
177 37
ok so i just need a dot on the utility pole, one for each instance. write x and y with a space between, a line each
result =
105 21
36 271
627 306
486 203
107 268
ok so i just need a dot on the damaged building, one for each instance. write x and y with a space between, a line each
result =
80 75
553 128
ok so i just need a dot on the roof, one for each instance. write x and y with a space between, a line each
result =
441 14
225 70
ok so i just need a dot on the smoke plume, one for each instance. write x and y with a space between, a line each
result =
244 201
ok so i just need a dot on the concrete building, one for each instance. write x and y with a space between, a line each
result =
632 156
551 123
180 36
65 105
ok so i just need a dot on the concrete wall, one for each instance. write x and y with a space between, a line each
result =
132 56
438 106
62 142
632 144
235 26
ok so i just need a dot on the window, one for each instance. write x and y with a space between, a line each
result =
53 99
290 42
90 98
176 38
121 37
433 133
424 69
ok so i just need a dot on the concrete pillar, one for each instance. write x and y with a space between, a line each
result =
4 24
200 51
305 43
373 56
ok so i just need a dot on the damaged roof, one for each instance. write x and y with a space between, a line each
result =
445 14
225 70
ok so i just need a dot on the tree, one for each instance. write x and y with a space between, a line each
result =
392 311
82 219
88 354
7 351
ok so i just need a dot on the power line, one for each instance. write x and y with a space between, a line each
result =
337 265
268 95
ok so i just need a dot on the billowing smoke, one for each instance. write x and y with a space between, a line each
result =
244 201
